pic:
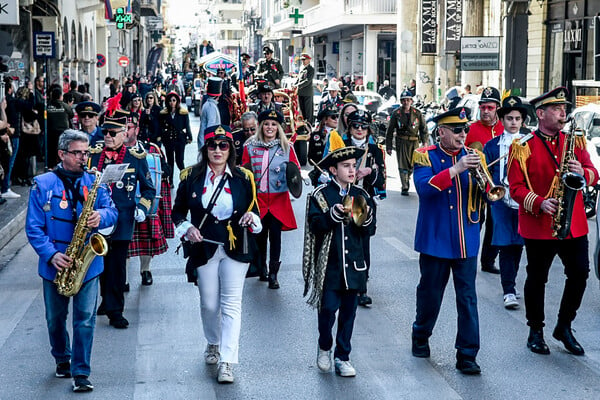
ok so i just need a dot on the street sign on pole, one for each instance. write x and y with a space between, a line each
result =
479 53
100 60
123 61
9 12
43 45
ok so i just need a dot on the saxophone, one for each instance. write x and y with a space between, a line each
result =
69 280
570 183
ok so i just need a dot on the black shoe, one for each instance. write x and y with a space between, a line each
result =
2 200
364 300
101 310
564 334
146 278
404 192
63 370
126 288
535 342
273 283
119 322
82 384
420 347
467 365
263 278
490 268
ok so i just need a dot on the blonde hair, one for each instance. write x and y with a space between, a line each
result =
285 144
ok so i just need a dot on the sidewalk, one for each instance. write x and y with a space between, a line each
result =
12 217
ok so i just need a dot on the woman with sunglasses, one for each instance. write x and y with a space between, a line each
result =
346 110
175 131
136 105
221 200
370 172
328 121
149 128
268 153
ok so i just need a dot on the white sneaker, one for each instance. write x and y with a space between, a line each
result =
324 360
211 354
9 194
510 301
344 368
225 373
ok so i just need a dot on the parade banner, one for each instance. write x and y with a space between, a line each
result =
429 27
454 9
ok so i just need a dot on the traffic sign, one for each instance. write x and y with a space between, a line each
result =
124 61
43 45
101 60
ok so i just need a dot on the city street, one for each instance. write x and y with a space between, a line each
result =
160 355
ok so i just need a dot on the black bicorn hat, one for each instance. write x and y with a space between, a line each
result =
339 155
512 103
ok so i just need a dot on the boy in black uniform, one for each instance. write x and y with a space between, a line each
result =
334 262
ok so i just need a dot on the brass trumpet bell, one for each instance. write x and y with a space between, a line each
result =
496 193
355 208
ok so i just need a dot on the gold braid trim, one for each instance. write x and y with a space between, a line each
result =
250 177
421 158
553 187
475 201
232 238
520 153
580 142
185 173
137 153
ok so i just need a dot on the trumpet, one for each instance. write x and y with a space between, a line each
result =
483 179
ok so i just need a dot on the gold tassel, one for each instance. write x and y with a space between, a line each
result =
421 158
553 187
232 237
580 142
335 141
505 94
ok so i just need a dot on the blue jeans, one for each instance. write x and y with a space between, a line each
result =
6 181
84 322
435 273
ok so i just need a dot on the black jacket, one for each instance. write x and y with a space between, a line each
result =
149 126
174 130
189 199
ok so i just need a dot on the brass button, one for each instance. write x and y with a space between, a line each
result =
345 237
346 251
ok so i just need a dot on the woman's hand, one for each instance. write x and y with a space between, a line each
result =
246 220
193 235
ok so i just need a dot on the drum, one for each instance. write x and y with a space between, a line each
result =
153 160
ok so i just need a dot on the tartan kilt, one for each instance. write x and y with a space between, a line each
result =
150 236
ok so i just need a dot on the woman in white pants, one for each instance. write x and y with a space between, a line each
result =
221 200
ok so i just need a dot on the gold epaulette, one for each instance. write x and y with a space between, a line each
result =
96 149
519 152
185 173
137 153
580 142
421 156
183 111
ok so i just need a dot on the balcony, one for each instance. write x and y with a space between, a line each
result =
149 8
370 7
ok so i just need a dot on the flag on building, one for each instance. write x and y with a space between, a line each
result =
241 76
108 11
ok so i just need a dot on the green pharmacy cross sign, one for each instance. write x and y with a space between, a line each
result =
296 15
122 18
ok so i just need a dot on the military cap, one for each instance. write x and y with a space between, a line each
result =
218 132
328 111
350 98
490 95
136 95
114 122
406 94
359 116
88 107
554 96
245 56
264 88
272 115
267 48
339 155
456 116
512 103
305 55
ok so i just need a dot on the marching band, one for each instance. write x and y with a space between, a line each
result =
239 205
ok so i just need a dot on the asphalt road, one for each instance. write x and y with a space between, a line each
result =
160 355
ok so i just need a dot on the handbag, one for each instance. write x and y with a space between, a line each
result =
30 128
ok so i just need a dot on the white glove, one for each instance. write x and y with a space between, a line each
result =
324 178
139 215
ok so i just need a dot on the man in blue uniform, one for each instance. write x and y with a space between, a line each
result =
113 151
55 203
447 236
87 113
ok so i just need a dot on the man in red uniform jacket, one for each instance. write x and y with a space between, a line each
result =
534 175
480 132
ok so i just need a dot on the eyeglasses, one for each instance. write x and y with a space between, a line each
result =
457 129
111 133
333 116
79 153
358 126
487 108
87 115
249 129
223 146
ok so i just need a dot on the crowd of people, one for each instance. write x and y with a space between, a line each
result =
232 208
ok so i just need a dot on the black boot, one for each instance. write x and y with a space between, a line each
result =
563 333
273 270
536 342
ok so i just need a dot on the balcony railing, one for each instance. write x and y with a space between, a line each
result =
370 6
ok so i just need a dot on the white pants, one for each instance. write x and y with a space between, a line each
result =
221 283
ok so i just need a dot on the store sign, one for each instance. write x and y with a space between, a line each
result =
573 35
454 9
154 23
429 27
480 53
9 12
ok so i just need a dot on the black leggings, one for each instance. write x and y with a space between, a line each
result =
174 153
271 230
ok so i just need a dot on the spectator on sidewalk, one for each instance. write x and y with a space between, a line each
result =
13 117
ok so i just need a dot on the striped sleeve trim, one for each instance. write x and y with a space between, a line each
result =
529 201
591 175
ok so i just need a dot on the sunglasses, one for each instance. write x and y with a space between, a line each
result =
333 116
487 108
223 146
111 133
358 126
87 115
78 153
249 129
458 129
